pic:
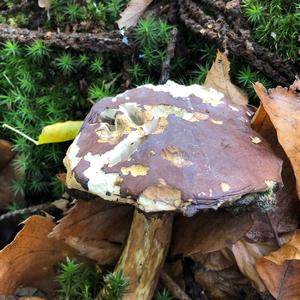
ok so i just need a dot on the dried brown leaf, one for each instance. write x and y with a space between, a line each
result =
97 229
289 251
6 153
282 106
7 175
218 78
284 217
132 13
246 254
280 270
216 261
221 285
30 258
208 232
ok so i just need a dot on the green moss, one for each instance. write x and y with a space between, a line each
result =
41 86
276 25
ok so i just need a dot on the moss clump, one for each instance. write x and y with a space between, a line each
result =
41 86
276 25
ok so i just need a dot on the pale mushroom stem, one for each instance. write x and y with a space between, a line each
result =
144 254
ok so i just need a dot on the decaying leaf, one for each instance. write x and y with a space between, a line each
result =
6 153
246 254
97 229
132 13
208 232
8 173
59 132
222 285
289 251
218 78
30 258
284 217
280 270
217 260
282 106
44 3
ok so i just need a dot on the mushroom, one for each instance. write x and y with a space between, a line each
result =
167 149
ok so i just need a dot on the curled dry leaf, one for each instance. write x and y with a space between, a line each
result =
222 285
97 229
8 173
30 258
132 13
280 270
284 217
282 106
246 254
218 78
6 153
216 261
208 232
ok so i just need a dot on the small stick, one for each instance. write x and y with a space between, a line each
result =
173 287
21 133
28 210
77 41
165 72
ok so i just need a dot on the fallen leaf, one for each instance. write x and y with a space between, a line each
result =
44 3
284 217
30 258
7 196
216 261
288 251
208 232
218 78
246 254
221 285
6 153
59 132
132 13
97 229
280 270
282 106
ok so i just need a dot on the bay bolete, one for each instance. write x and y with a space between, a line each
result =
164 149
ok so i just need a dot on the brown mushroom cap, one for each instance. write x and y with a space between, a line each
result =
170 147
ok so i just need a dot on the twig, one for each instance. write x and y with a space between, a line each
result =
99 43
173 287
236 39
166 66
28 210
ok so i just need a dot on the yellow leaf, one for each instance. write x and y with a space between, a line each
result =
59 132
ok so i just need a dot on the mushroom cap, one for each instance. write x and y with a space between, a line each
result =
170 148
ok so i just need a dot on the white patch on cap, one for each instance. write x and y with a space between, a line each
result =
104 184
225 187
208 95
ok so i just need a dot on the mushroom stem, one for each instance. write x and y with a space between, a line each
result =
144 254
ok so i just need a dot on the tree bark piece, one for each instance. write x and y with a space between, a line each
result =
77 41
144 254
